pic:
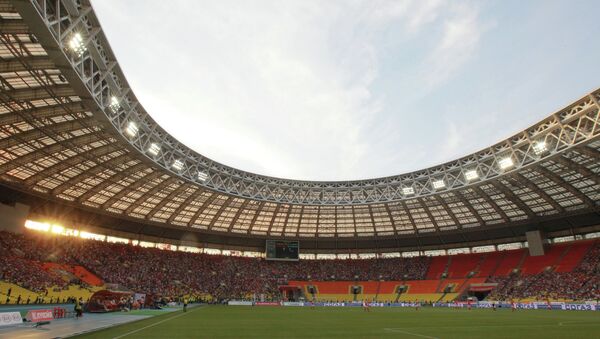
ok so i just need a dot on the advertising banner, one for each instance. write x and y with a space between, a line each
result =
266 303
239 303
39 315
292 303
10 318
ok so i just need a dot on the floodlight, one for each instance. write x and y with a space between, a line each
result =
408 190
178 165
437 184
131 129
76 44
202 176
154 149
506 163
471 175
539 147
114 104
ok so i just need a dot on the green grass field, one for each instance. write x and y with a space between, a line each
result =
339 322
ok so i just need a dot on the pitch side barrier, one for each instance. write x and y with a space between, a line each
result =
481 304
525 306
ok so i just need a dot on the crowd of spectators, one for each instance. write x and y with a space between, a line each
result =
583 283
155 271
172 273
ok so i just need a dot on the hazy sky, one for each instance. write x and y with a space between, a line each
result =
334 90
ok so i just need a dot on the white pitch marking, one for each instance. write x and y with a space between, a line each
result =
409 333
151 325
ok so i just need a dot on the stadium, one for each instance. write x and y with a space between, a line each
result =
107 214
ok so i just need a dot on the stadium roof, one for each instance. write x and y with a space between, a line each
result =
72 132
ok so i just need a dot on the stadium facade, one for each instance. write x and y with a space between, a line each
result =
76 145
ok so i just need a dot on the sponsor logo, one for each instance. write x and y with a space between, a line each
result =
266 303
39 315
291 303
10 318
578 307
240 303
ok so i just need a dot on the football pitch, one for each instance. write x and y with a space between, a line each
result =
353 322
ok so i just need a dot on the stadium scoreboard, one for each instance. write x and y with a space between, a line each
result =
282 250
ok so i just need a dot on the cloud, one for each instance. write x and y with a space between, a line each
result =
460 37
285 88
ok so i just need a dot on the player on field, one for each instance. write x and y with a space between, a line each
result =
513 305
365 305
548 304
469 304
417 305
494 306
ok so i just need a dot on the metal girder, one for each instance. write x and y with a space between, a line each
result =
28 94
584 171
72 161
513 198
33 134
527 183
184 204
216 217
25 64
182 187
429 215
72 182
491 202
277 208
448 211
48 150
561 182
206 203
150 193
258 210
40 113
114 179
471 209
571 126
132 187
237 215
14 27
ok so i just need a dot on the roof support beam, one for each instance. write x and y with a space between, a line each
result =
48 150
41 113
514 198
527 183
471 209
560 181
202 208
55 130
169 198
185 204
62 165
26 64
584 171
491 202
114 179
28 94
132 187
149 194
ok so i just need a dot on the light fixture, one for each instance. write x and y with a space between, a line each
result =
471 175
506 163
76 44
539 147
131 129
114 104
408 190
154 149
202 176
178 165
437 184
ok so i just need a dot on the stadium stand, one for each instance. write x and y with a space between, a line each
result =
80 267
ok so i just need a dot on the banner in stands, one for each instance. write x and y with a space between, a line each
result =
239 303
10 318
266 303
39 315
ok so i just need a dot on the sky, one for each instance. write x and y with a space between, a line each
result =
342 90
